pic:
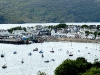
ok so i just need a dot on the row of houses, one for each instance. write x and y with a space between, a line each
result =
72 31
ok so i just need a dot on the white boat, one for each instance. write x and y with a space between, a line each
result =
2 55
70 54
22 61
52 51
4 66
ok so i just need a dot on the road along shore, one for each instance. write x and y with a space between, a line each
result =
53 39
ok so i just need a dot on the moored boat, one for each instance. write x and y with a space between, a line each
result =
52 51
36 49
14 52
4 66
46 61
2 55
22 61
42 55
30 54
41 51
70 54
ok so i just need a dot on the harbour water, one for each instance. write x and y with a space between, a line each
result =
8 26
34 63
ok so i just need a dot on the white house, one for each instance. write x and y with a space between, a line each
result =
52 32
4 32
91 36
18 33
70 35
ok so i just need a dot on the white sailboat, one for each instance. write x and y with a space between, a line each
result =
22 61
2 55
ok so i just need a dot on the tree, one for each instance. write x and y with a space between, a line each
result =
87 33
17 28
73 67
41 73
61 26
95 33
67 67
84 26
92 71
98 33
98 26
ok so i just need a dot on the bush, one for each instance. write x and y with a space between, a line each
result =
92 71
41 73
73 67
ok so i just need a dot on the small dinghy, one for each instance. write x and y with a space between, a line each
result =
52 59
67 52
14 52
52 51
78 50
41 51
22 61
36 49
42 55
4 66
30 54
46 61
2 55
70 54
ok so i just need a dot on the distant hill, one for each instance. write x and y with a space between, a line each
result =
57 11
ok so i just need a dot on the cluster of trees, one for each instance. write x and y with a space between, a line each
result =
95 33
61 25
16 28
48 11
80 66
90 26
89 32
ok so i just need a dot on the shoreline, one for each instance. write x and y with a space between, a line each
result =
53 39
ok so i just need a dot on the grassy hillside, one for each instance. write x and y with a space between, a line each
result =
20 11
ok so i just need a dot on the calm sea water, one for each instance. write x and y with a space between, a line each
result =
7 26
34 63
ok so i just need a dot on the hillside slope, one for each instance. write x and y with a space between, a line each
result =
22 11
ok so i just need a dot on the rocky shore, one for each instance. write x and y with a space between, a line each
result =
54 39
